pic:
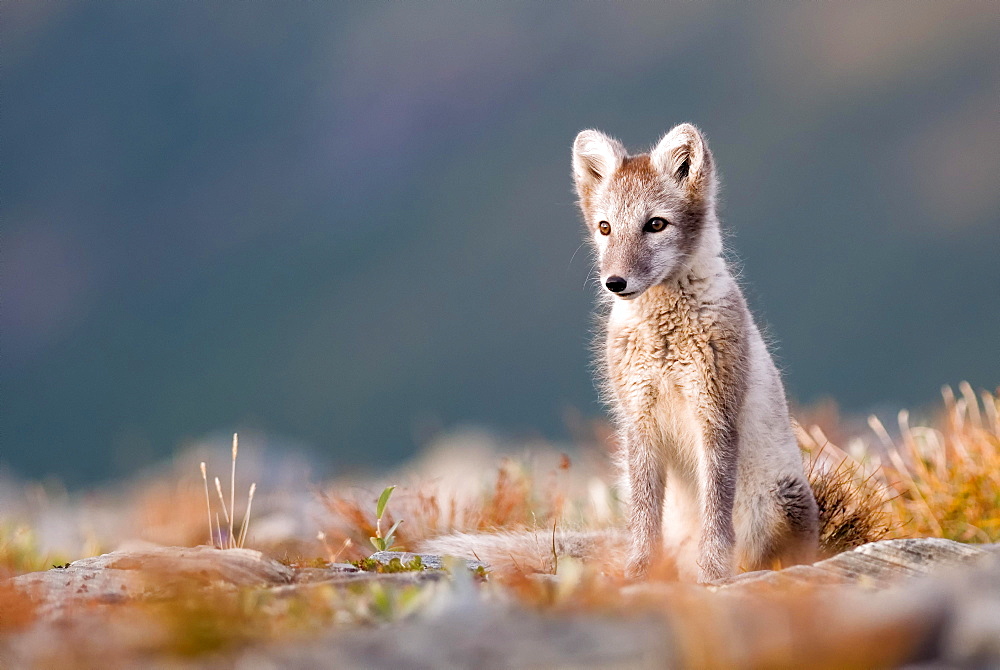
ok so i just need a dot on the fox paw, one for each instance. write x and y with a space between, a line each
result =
709 573
637 568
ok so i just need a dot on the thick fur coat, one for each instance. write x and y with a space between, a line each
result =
709 461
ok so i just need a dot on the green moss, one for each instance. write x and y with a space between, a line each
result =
302 562
394 565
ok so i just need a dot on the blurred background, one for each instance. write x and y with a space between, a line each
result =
349 228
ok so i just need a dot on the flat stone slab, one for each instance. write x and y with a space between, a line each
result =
876 565
124 575
923 554
153 572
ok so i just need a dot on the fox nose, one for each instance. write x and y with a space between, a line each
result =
615 284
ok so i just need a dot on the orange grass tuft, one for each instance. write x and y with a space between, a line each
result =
947 476
522 494
937 480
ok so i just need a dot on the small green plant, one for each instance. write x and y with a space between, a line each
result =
380 542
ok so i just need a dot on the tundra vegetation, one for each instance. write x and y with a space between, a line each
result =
938 477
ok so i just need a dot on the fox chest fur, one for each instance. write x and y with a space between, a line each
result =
673 355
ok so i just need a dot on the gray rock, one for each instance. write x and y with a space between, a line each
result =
875 565
124 575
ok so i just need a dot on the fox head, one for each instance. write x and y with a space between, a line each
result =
648 215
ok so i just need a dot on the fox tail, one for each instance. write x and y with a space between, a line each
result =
531 551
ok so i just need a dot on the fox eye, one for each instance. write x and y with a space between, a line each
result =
604 227
655 225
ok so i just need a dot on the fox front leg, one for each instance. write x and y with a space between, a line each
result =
716 547
645 522
718 395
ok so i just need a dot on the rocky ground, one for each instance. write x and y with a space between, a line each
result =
921 603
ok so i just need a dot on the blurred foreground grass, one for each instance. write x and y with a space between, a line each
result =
939 477
936 478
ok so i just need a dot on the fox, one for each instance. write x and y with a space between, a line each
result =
711 472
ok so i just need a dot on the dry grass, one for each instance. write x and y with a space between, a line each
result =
533 492
948 476
939 479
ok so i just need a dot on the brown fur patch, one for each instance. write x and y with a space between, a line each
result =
637 167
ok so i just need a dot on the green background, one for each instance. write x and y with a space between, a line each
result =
348 227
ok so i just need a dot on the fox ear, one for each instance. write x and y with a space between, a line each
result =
595 157
683 155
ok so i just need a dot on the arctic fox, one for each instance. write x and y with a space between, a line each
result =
709 460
